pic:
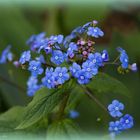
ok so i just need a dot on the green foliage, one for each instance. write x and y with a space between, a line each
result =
64 128
103 83
10 119
42 104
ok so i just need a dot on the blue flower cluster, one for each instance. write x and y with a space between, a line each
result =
60 58
124 123
55 77
32 85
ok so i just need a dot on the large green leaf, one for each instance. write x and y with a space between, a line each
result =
10 119
64 128
103 83
42 104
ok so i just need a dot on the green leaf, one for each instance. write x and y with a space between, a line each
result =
103 83
10 119
64 128
42 104
75 98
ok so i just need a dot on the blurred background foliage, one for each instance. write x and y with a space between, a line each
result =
121 24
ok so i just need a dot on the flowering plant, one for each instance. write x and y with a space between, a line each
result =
58 65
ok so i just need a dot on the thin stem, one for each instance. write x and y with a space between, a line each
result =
114 62
116 59
93 97
63 106
12 84
111 63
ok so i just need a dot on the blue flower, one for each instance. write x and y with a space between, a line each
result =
78 30
96 59
41 59
32 86
115 127
6 55
56 39
95 32
35 68
82 77
36 41
74 69
25 57
90 69
49 80
61 75
73 114
58 57
105 56
115 108
72 47
123 58
127 121
133 67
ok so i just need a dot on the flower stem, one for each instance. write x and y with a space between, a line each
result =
88 92
63 106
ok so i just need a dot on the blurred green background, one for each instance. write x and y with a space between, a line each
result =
121 24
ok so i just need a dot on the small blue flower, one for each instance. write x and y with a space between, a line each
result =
90 69
82 77
56 39
72 47
95 32
41 59
105 56
73 114
58 57
78 30
115 108
74 69
96 59
61 75
115 127
25 57
6 55
32 86
49 80
35 68
127 121
133 67
123 58
37 41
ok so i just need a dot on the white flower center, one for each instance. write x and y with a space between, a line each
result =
116 108
95 30
49 81
94 60
60 74
82 77
125 60
127 121
88 69
34 68
55 38
56 57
